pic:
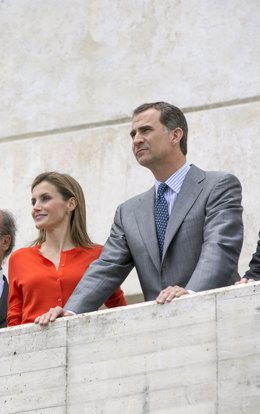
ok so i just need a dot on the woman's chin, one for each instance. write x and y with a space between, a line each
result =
39 226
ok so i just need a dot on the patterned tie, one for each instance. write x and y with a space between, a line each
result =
161 215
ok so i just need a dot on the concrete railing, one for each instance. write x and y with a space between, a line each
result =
197 355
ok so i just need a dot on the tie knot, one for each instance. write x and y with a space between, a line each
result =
161 189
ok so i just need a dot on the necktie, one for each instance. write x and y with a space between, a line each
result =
161 215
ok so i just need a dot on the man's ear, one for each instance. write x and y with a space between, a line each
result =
6 241
177 134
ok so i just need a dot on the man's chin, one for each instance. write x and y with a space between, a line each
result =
142 160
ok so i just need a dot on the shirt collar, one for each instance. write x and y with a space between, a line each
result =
175 181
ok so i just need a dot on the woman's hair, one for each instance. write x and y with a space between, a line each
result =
68 187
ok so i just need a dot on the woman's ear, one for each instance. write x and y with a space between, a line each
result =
72 203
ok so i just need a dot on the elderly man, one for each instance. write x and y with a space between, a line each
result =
183 235
7 241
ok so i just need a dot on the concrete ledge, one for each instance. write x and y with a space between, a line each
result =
198 354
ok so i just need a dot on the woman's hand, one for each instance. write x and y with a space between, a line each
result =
51 315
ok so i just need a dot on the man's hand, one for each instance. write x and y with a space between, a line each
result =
171 292
244 280
51 315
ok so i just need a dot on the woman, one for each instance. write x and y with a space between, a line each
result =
45 274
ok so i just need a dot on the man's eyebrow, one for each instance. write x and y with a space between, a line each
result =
141 128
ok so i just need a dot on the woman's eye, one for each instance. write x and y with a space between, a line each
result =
46 198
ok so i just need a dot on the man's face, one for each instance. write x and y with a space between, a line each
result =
5 240
151 140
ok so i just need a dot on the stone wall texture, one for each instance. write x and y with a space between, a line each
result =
72 71
199 354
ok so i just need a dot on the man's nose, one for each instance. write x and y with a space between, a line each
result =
138 138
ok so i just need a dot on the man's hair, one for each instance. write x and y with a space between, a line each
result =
8 227
171 117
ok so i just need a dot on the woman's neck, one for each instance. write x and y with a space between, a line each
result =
54 244
58 241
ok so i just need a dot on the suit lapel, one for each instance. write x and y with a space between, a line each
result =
144 213
145 219
3 302
187 196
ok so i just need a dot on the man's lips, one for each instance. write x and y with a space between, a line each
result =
140 150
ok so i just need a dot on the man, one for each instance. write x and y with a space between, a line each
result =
253 273
183 235
7 241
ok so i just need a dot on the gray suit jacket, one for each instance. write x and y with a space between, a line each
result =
202 243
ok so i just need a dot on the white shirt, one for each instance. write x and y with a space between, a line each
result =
1 282
174 183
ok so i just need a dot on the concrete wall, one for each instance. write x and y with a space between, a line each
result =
198 354
72 71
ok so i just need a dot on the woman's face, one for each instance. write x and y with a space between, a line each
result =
49 209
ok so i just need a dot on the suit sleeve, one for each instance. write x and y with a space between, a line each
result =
15 297
105 274
222 237
254 265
